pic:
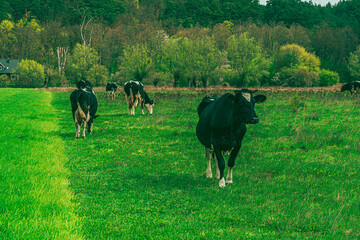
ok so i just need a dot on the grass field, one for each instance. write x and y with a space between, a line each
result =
143 177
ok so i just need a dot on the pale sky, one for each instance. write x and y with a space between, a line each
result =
321 2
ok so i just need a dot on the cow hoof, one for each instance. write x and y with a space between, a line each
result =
83 137
209 174
222 183
229 181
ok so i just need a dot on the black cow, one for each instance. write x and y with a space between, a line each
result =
111 90
351 87
84 106
135 94
222 126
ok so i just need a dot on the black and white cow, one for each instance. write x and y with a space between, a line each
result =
135 94
351 87
111 90
222 126
84 106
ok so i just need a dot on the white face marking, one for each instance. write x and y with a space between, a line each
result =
247 96
149 108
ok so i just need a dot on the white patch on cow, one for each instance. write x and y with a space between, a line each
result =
149 108
222 183
247 96
229 178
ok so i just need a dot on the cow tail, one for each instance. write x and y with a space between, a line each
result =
81 112
132 97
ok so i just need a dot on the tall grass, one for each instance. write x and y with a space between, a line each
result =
35 199
143 177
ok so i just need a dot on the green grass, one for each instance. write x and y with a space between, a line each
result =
143 177
35 199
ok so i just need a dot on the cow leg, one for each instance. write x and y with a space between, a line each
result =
217 176
83 130
77 127
208 159
231 164
142 108
221 165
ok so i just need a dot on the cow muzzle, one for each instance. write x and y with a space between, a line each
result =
254 120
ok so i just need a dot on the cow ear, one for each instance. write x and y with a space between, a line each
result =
260 98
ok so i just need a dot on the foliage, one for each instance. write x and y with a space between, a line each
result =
328 78
83 64
354 64
247 60
136 62
302 77
31 74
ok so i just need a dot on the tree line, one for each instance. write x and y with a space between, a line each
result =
182 43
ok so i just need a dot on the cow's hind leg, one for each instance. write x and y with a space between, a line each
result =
208 159
221 165
83 130
77 127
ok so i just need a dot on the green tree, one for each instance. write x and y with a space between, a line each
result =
84 64
31 74
247 60
177 54
354 64
204 58
136 62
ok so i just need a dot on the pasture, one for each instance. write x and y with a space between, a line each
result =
143 177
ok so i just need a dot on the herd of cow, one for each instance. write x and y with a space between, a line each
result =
222 120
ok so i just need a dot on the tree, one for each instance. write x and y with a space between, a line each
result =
136 62
354 64
247 60
176 58
31 74
205 58
83 64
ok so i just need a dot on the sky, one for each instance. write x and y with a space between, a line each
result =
321 2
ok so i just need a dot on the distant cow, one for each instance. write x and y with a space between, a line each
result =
84 106
351 87
111 90
222 126
135 94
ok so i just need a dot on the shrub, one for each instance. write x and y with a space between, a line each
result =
328 78
302 77
31 74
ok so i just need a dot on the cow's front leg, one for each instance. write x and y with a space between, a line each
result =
77 127
221 166
231 164
208 159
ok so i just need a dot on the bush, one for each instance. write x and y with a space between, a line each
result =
302 77
328 78
31 74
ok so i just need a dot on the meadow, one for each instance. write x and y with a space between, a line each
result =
143 177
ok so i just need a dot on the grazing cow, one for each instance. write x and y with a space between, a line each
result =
111 90
351 87
222 126
84 106
135 94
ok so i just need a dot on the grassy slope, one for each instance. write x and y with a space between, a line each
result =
35 200
144 177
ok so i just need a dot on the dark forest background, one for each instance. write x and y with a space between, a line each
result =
182 42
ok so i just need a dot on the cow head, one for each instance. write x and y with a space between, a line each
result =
245 104
149 106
